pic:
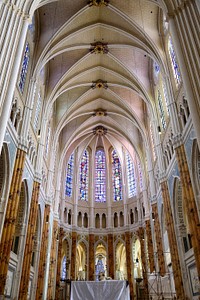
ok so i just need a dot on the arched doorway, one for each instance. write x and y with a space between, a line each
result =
100 261
121 266
81 261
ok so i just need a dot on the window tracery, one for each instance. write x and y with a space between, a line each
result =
175 66
131 176
24 68
116 177
84 169
100 176
69 177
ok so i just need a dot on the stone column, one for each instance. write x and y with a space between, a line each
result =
73 256
59 260
159 244
52 265
23 291
145 202
43 254
91 257
10 218
189 203
144 261
184 26
111 256
26 120
12 39
150 246
180 294
129 264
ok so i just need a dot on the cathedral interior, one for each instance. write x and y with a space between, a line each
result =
99 147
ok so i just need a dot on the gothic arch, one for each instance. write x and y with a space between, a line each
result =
120 260
82 260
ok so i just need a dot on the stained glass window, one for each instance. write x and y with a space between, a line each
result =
24 68
131 176
100 176
69 177
161 110
140 175
37 112
116 176
84 168
174 63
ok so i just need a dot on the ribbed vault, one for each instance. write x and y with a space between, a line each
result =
98 63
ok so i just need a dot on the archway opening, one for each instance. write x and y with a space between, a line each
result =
100 261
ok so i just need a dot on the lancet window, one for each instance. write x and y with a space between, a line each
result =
24 68
116 177
84 170
69 177
100 176
175 67
131 176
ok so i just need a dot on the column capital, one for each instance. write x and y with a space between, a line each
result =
38 177
153 200
23 145
162 176
49 200
179 9
177 140
56 217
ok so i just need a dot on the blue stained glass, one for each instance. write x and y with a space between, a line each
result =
100 176
131 176
69 178
116 176
84 168
175 67
24 68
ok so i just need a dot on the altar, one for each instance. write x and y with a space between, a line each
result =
100 290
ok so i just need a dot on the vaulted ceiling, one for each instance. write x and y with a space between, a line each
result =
99 61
